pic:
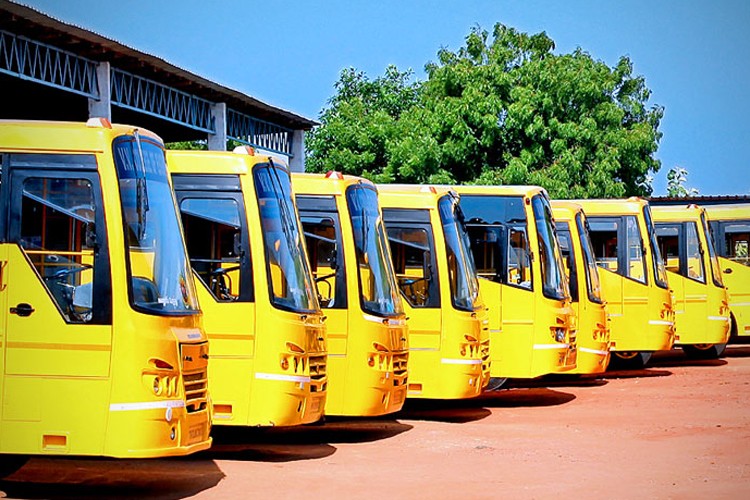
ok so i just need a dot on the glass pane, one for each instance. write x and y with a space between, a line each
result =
553 280
58 235
461 272
377 282
604 235
566 247
715 267
636 267
486 247
287 266
413 260
213 238
160 274
322 242
737 238
519 261
668 237
695 269
593 285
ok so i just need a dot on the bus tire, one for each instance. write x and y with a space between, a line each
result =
704 351
629 360
11 463
495 383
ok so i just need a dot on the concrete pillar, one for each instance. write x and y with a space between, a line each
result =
218 141
297 161
102 108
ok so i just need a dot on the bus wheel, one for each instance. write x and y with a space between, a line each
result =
628 360
11 463
704 351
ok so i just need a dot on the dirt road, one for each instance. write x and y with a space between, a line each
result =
678 429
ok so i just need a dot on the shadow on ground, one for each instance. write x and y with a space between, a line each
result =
285 444
65 478
737 351
452 411
642 373
557 380
520 397
676 358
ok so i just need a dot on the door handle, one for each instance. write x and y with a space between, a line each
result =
23 309
728 270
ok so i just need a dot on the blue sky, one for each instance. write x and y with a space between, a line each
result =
695 55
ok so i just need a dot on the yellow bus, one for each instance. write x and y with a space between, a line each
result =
519 262
103 352
348 251
701 302
731 231
260 311
633 277
448 325
585 287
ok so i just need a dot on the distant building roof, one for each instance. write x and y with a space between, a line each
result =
700 200
31 23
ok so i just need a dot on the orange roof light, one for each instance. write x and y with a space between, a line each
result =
428 189
98 122
332 174
244 150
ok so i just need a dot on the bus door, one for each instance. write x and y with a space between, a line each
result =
412 245
217 238
323 238
683 252
488 247
620 249
733 242
56 288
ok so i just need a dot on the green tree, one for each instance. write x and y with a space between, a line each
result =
502 109
676 179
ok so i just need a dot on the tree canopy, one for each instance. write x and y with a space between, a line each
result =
502 109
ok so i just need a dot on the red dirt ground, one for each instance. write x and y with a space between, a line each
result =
678 429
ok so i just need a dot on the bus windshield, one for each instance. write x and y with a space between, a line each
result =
593 284
462 273
159 275
289 278
377 284
554 284
660 270
715 267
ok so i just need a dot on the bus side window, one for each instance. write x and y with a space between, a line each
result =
213 235
519 263
412 260
636 267
321 238
695 269
737 239
58 235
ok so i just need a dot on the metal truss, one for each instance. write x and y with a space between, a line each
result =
47 65
258 133
147 96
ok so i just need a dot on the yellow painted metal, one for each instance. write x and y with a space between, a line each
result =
449 346
590 306
734 260
268 364
118 387
536 335
641 311
701 301
368 350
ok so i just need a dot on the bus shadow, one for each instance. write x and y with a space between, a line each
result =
451 411
559 380
522 397
306 442
65 478
642 373
737 351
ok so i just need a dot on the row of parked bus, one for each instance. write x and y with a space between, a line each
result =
121 262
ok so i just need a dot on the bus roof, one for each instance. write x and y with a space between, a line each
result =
500 190
94 136
331 183
673 213
633 205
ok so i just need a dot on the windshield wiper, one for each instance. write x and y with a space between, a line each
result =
141 192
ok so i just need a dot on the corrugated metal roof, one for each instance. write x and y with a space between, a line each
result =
29 22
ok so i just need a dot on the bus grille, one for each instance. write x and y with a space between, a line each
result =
317 367
400 363
195 376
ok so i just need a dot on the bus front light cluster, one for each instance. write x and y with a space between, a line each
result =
165 385
558 333
471 347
